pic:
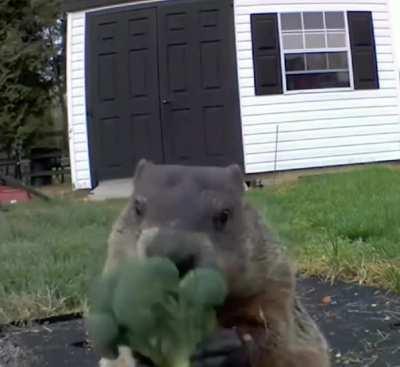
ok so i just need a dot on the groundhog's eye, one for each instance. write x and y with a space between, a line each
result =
139 206
221 219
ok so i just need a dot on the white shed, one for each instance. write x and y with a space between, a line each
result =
269 84
394 6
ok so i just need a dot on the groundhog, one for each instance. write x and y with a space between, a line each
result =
198 216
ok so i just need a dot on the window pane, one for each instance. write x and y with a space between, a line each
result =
315 40
336 39
317 81
294 62
292 41
291 21
313 20
334 20
337 60
316 61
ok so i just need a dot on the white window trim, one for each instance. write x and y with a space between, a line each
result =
339 49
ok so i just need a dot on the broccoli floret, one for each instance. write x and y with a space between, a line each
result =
203 287
145 306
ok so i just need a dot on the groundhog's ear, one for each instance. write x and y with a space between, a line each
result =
140 168
236 174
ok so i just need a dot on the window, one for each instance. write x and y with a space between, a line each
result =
315 50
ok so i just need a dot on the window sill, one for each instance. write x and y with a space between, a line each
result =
320 90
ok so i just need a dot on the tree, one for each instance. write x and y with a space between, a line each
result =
56 38
31 46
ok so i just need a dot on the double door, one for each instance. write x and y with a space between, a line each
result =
162 85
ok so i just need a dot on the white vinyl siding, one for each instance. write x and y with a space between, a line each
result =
78 139
317 128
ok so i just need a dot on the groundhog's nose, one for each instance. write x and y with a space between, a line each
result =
183 248
186 264
180 256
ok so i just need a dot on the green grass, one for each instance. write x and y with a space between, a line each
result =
49 254
341 226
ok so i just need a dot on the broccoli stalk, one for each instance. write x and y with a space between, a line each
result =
146 306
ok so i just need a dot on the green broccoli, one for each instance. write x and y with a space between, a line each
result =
147 307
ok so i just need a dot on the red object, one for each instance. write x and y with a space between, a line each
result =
10 195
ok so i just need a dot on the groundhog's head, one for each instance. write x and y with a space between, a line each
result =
192 215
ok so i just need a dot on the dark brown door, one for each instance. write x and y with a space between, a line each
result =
198 83
162 84
123 108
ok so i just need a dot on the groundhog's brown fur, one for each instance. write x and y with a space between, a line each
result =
262 304
274 323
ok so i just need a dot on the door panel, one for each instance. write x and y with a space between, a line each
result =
177 83
143 106
198 83
108 122
123 91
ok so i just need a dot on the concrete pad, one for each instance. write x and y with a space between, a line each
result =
116 189
112 189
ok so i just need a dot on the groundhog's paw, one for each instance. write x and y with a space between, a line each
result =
116 363
125 359
222 349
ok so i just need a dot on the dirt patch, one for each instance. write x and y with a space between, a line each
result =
290 177
63 191
362 326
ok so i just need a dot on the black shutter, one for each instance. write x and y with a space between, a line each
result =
363 51
266 54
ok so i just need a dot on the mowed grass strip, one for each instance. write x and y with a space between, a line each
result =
49 254
340 226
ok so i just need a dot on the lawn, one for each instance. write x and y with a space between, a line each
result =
343 225
49 253
340 226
